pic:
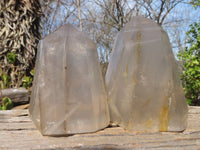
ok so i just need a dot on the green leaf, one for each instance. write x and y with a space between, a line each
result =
189 101
7 103
195 62
32 72
27 81
25 85
5 81
11 57
4 108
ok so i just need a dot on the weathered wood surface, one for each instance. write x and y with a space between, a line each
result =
17 95
18 132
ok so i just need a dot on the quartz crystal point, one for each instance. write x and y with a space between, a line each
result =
68 93
144 90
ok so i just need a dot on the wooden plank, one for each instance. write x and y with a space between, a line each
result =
18 132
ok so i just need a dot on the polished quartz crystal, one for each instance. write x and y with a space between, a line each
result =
144 90
68 93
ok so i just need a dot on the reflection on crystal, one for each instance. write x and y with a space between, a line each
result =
144 90
68 94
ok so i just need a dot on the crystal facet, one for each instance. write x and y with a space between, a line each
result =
144 89
68 93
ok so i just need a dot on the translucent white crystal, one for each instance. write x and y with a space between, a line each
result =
68 93
144 90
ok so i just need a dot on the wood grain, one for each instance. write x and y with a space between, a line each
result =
18 132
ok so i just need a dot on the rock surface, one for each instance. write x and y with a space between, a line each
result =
18 96
144 90
68 94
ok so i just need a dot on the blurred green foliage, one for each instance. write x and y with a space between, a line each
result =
191 65
11 57
27 81
6 104
4 80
